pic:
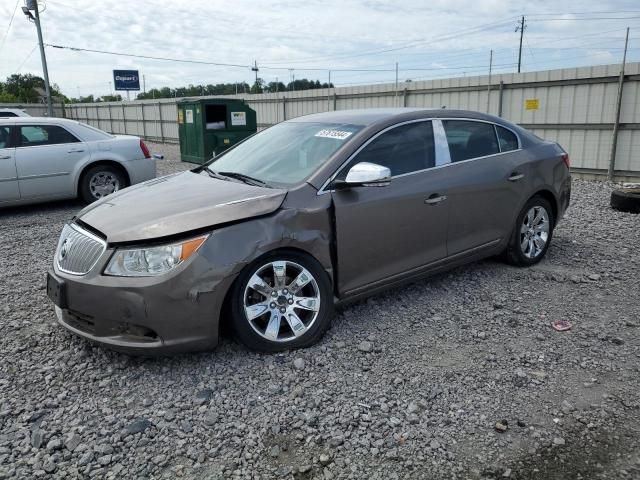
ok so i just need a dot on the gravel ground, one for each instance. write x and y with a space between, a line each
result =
455 377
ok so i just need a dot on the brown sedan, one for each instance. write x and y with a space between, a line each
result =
271 235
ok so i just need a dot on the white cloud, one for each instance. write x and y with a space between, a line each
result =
330 33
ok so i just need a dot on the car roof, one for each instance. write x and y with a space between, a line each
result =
38 120
364 116
370 116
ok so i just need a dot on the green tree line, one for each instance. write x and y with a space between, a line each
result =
20 88
231 89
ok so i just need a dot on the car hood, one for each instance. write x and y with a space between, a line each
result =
177 204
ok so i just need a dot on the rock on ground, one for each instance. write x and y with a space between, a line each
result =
405 382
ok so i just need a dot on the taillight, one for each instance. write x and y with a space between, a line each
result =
145 150
565 159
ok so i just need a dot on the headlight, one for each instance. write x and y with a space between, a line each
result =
151 261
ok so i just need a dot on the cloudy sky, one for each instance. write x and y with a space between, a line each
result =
428 39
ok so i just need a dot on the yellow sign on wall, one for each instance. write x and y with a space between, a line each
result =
180 116
532 104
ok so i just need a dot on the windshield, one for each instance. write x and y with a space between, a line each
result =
287 153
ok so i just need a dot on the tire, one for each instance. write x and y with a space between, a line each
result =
531 237
100 181
626 200
263 321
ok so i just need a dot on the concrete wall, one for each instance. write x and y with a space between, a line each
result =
576 107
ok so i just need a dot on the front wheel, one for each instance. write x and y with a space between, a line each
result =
100 181
280 302
532 233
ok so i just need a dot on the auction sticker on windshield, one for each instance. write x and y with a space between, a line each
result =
338 134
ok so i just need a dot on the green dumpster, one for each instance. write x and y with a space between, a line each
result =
207 127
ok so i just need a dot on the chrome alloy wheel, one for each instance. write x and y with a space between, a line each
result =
534 232
281 301
104 183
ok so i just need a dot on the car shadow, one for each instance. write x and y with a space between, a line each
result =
50 207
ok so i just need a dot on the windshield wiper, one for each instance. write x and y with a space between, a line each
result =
213 174
245 178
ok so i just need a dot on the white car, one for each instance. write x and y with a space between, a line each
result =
44 158
12 112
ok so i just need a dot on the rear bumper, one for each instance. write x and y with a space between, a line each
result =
565 197
141 170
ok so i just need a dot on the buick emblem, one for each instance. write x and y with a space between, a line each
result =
64 249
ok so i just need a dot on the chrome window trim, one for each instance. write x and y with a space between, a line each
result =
443 156
439 163
86 233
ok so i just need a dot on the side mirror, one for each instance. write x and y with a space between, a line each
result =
366 174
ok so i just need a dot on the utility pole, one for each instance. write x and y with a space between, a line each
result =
144 84
616 125
329 93
396 95
520 28
33 5
255 69
489 81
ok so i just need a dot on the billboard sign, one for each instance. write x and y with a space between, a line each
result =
126 80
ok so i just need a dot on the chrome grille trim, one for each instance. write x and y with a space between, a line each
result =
83 249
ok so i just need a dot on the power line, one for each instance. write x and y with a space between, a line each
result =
148 57
581 19
533 58
302 69
411 44
581 13
6 34
27 58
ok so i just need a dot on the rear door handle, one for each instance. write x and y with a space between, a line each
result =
435 199
515 176
5 157
75 150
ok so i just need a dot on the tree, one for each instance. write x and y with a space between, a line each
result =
273 87
21 88
258 86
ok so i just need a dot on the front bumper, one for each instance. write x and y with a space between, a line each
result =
172 313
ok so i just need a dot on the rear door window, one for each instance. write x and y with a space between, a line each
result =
7 114
404 149
36 135
5 137
468 139
508 140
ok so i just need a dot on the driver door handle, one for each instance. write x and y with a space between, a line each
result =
515 176
75 150
5 157
435 199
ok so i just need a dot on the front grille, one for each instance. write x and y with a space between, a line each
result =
78 250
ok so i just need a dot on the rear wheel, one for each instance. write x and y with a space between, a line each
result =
532 233
282 301
100 181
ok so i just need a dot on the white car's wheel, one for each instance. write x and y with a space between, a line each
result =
100 181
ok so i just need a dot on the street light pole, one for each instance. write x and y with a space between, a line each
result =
45 70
